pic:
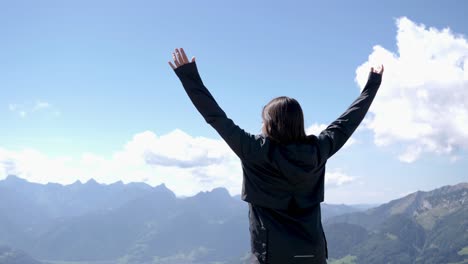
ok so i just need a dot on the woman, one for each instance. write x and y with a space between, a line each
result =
283 168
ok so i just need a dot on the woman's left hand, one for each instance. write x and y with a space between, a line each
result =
179 58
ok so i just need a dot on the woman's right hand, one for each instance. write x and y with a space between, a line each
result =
179 58
378 71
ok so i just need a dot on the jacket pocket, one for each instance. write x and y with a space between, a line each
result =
260 244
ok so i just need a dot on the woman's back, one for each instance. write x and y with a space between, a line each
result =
287 236
284 185
276 175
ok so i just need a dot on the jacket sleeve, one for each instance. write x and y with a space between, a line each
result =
339 131
240 141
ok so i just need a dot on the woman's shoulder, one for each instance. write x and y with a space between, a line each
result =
264 138
311 139
270 150
268 144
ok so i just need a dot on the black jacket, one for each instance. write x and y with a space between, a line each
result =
283 184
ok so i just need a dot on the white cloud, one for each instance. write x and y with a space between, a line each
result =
411 154
186 164
316 128
337 178
422 103
26 109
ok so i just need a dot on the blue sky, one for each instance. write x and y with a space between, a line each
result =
84 79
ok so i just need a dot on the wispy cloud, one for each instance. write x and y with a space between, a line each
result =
40 105
12 107
26 109
422 103
18 109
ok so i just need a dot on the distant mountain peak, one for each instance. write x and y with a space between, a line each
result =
92 182
120 182
162 185
219 193
162 188
421 201
77 182
461 185
424 207
14 178
451 188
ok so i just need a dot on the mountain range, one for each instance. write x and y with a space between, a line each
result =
136 223
422 227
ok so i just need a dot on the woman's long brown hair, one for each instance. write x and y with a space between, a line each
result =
283 120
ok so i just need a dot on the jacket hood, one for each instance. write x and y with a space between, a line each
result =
296 161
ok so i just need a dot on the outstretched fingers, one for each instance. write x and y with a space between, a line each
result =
180 58
378 71
172 65
176 60
184 56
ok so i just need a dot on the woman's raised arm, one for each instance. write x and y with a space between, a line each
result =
339 131
240 141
